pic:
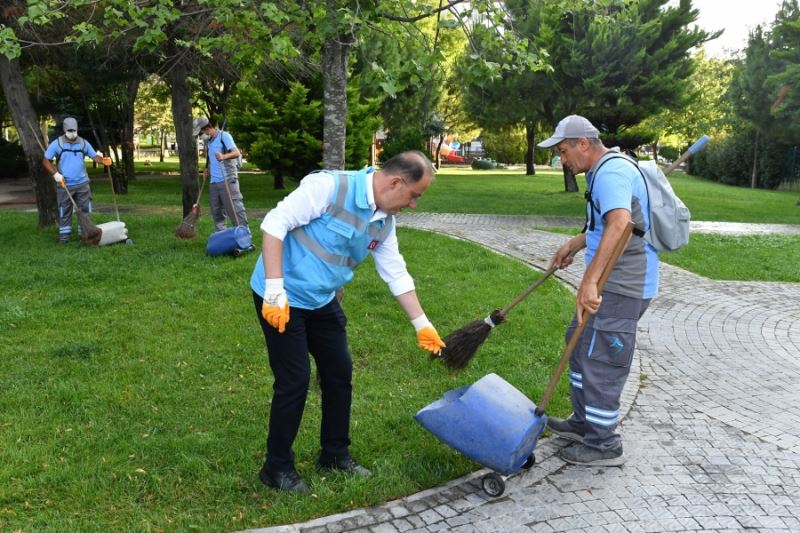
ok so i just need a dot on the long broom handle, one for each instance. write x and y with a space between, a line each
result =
113 192
693 149
576 335
225 178
200 192
524 294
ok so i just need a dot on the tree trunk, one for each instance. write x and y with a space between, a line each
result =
162 146
530 139
570 183
278 180
187 145
127 137
754 175
334 81
24 116
438 157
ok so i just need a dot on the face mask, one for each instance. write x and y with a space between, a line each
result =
204 137
72 135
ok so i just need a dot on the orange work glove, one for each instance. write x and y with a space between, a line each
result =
275 308
427 337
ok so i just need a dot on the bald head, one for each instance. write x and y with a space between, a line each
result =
401 181
411 165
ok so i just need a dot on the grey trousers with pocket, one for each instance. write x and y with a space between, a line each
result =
600 365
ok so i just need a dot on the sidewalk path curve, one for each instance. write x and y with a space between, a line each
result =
711 427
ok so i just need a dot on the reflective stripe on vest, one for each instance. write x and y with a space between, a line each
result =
337 210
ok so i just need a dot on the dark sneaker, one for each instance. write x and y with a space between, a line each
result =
62 240
288 481
580 454
565 429
347 465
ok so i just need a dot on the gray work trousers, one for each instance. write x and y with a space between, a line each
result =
82 194
226 199
599 367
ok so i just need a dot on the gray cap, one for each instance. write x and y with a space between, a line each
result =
70 124
571 127
198 124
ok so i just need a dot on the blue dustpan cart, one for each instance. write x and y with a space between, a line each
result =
492 423
229 241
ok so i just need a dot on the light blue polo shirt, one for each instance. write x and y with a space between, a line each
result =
619 185
71 159
218 175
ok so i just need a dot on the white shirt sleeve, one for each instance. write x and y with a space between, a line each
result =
306 203
391 266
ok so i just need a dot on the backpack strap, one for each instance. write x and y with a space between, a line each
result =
62 140
608 156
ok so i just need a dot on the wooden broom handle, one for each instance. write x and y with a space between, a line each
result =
576 335
524 294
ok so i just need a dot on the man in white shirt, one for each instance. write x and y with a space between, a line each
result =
312 242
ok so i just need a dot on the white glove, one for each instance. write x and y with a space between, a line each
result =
59 178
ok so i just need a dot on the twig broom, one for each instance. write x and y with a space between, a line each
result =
461 345
90 233
187 229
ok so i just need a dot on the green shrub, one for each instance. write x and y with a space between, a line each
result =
410 139
13 158
669 152
729 160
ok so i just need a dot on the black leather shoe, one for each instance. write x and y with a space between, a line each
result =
288 481
347 465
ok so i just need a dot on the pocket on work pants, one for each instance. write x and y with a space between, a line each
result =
613 341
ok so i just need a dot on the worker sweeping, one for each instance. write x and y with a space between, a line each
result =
312 241
69 151
600 363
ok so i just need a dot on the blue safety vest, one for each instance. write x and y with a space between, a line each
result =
319 257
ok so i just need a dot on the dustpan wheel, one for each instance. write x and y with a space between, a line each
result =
529 462
493 484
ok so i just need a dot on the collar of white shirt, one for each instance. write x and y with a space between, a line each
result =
376 213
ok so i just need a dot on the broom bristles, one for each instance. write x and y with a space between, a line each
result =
462 344
91 234
186 229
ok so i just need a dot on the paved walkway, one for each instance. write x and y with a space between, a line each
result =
711 427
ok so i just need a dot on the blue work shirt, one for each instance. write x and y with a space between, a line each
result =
71 159
619 185
217 172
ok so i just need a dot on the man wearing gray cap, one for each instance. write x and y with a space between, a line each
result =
601 361
69 150
221 156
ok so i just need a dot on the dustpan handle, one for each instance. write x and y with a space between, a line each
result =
576 335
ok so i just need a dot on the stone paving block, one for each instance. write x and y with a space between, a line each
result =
384 528
430 517
402 525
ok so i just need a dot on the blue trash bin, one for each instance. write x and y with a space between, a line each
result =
229 240
490 421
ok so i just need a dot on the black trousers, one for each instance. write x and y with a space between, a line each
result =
320 332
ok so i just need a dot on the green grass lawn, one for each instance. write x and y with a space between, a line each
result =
507 192
510 192
136 387
135 382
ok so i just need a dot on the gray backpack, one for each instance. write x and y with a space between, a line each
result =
669 216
